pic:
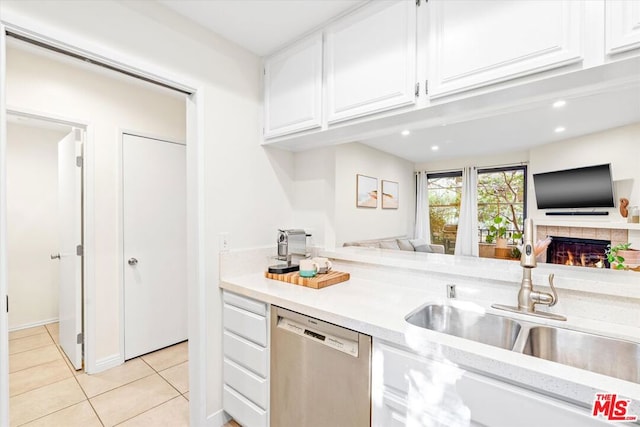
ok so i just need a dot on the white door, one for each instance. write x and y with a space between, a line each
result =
70 235
155 244
371 60
293 88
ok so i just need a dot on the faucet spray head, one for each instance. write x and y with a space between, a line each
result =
528 258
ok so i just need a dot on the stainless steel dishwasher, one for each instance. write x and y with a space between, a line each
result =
320 373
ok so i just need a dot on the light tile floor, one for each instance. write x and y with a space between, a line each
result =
151 390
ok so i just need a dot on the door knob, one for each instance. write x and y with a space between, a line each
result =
132 261
55 256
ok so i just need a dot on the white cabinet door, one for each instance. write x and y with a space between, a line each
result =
623 25
293 88
371 60
477 43
410 389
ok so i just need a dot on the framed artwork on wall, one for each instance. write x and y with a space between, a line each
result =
366 191
390 196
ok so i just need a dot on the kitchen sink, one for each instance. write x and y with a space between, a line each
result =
608 356
482 327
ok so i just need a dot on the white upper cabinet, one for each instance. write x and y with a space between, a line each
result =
293 88
622 25
370 60
477 43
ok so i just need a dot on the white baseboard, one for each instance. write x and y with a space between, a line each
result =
218 419
33 324
108 363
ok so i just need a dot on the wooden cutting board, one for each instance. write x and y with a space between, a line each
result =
318 282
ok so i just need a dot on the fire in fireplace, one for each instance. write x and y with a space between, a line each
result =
577 251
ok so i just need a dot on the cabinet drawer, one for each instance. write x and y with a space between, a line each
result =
248 325
393 413
246 383
246 353
248 304
242 410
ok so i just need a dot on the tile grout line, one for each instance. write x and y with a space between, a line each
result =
147 410
34 366
160 375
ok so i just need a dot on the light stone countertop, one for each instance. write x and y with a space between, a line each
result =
385 286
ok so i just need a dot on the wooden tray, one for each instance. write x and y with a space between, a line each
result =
318 282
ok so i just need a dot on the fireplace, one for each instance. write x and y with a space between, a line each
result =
578 251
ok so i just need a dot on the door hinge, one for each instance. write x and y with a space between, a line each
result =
79 161
418 3
264 71
417 89
7 303
79 338
426 87
79 250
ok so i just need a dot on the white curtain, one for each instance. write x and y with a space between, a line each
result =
422 228
467 238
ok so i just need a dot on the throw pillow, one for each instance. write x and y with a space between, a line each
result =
418 242
424 248
389 244
405 245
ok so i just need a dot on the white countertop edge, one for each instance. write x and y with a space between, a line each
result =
611 283
256 286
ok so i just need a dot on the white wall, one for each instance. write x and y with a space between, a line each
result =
314 197
110 104
500 159
32 224
618 146
353 223
248 189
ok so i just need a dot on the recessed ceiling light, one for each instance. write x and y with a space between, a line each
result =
405 132
559 129
559 103
434 148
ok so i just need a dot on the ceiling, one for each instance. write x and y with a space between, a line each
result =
261 26
515 130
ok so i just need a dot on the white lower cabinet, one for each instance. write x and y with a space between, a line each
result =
245 394
412 390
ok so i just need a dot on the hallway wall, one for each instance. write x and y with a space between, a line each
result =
32 224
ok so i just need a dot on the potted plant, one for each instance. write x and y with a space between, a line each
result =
622 257
498 232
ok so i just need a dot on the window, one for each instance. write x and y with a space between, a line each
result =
444 190
502 191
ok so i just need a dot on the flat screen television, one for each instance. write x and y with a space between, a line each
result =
587 187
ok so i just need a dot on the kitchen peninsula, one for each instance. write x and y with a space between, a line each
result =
386 286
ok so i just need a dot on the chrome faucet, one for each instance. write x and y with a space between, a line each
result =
527 297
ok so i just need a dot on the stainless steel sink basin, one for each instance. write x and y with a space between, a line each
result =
608 356
486 328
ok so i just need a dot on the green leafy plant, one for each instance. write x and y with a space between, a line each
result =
612 255
498 230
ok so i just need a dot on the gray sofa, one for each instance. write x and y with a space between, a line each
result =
401 243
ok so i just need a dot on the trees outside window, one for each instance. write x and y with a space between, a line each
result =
501 192
445 192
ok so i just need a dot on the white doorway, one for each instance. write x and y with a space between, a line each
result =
45 227
131 65
154 244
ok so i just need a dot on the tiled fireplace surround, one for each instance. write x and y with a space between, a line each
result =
616 236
